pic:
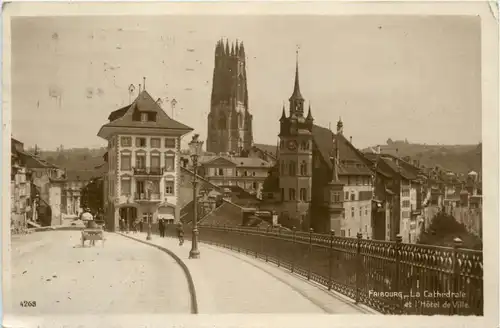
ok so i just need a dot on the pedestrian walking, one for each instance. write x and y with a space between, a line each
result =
141 225
180 233
161 227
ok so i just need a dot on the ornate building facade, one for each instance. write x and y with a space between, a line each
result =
143 163
229 120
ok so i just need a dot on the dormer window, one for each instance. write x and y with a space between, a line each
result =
144 116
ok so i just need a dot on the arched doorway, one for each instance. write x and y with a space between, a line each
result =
167 213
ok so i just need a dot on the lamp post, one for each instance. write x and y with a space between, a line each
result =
195 148
150 218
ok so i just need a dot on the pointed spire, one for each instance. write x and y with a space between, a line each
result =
296 87
232 49
242 50
237 48
283 115
218 48
335 167
227 48
309 114
340 126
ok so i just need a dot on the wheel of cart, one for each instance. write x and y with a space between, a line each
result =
92 235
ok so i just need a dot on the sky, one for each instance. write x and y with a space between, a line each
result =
401 77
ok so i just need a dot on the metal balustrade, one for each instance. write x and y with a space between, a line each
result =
148 170
390 277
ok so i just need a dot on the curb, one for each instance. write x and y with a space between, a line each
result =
192 290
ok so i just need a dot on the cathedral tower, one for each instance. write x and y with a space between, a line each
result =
295 158
229 120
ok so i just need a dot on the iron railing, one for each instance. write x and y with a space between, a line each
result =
390 277
147 196
148 170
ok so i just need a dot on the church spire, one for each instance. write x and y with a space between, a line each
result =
296 87
296 100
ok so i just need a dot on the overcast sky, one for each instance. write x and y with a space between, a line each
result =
386 76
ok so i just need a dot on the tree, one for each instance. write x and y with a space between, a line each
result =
444 228
93 195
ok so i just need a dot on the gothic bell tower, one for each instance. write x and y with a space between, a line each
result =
229 120
295 159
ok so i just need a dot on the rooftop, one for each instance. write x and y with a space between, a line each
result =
126 117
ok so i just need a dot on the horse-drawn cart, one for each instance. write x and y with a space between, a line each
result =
92 234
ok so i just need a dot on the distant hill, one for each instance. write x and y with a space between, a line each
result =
74 159
456 158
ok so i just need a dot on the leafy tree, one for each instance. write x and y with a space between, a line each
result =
93 195
444 228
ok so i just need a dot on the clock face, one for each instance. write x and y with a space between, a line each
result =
292 144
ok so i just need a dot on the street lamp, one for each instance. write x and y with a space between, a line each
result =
195 148
150 218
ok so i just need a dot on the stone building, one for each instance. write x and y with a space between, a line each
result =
143 163
320 180
229 120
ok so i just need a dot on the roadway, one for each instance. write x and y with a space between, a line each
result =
124 276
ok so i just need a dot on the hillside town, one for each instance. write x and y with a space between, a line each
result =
314 177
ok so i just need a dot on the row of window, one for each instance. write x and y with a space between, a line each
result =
245 185
219 172
405 193
359 180
140 161
303 145
361 210
142 142
405 204
143 187
303 194
290 168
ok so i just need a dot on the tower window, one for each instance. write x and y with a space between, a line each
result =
292 168
303 194
291 193
303 168
222 122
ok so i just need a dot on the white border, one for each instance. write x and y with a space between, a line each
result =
490 101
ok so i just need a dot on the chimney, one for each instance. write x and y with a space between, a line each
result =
350 139
144 85
378 149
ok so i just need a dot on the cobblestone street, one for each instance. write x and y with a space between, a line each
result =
124 276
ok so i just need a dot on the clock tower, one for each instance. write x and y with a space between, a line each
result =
295 159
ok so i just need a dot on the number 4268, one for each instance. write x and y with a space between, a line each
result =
27 303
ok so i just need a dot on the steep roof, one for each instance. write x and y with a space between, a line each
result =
238 161
123 117
35 162
351 160
268 149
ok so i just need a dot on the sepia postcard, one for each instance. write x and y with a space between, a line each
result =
237 164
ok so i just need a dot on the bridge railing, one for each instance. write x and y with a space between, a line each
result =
390 277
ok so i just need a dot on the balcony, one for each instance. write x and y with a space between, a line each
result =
148 171
145 197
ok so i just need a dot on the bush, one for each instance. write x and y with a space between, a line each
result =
444 228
